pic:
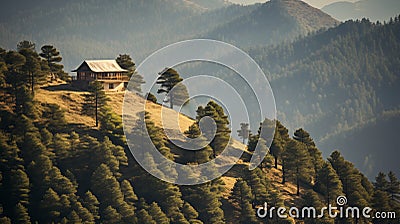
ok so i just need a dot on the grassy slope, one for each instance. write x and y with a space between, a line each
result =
71 102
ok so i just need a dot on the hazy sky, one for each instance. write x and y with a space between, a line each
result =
315 3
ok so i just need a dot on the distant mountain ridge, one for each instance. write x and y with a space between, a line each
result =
272 22
374 10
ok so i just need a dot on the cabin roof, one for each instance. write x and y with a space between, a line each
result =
100 66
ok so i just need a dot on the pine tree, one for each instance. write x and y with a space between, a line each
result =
222 132
32 68
381 182
126 62
61 147
258 186
53 58
54 117
73 218
25 44
328 183
105 155
394 191
351 180
297 163
202 155
60 183
95 100
205 202
381 202
252 143
241 197
276 148
51 204
144 217
316 155
150 97
311 199
244 131
82 212
20 186
92 204
21 214
15 78
189 212
168 79
129 195
106 187
157 214
46 137
110 215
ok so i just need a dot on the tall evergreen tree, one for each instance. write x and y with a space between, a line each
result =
202 155
381 182
297 163
144 217
394 191
351 180
21 214
316 156
205 202
241 197
95 100
33 68
168 79
129 195
328 183
51 204
311 199
126 62
258 185
20 186
110 215
92 204
53 58
244 131
157 214
222 132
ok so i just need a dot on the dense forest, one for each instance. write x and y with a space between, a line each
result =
323 62
347 74
53 171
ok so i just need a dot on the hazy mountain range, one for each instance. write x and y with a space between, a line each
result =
374 10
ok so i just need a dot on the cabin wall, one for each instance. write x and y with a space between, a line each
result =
117 86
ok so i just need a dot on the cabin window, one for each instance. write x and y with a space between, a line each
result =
111 86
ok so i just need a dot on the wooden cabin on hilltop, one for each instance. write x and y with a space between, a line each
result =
107 72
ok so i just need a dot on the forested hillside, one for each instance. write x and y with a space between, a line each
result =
337 81
53 171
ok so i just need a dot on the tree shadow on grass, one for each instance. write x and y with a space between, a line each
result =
62 87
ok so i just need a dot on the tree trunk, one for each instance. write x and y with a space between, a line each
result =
96 108
298 181
283 172
276 162
32 84
171 99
